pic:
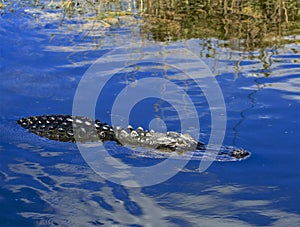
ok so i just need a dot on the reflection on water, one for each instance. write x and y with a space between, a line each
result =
71 194
245 25
251 46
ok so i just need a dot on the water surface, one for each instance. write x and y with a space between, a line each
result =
47 183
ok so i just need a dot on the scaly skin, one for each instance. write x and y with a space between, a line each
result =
63 127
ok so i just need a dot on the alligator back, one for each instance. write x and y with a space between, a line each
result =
63 127
67 128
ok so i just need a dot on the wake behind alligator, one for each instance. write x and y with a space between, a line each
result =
67 128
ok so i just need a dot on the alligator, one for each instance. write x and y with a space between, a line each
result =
68 128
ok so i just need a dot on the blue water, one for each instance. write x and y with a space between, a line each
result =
48 183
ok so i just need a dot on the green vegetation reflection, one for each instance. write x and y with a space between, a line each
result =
244 25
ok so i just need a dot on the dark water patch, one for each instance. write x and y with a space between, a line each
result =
254 218
10 214
96 223
101 201
133 208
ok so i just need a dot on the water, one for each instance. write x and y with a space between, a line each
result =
47 183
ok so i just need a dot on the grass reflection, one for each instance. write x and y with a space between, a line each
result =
244 25
247 24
